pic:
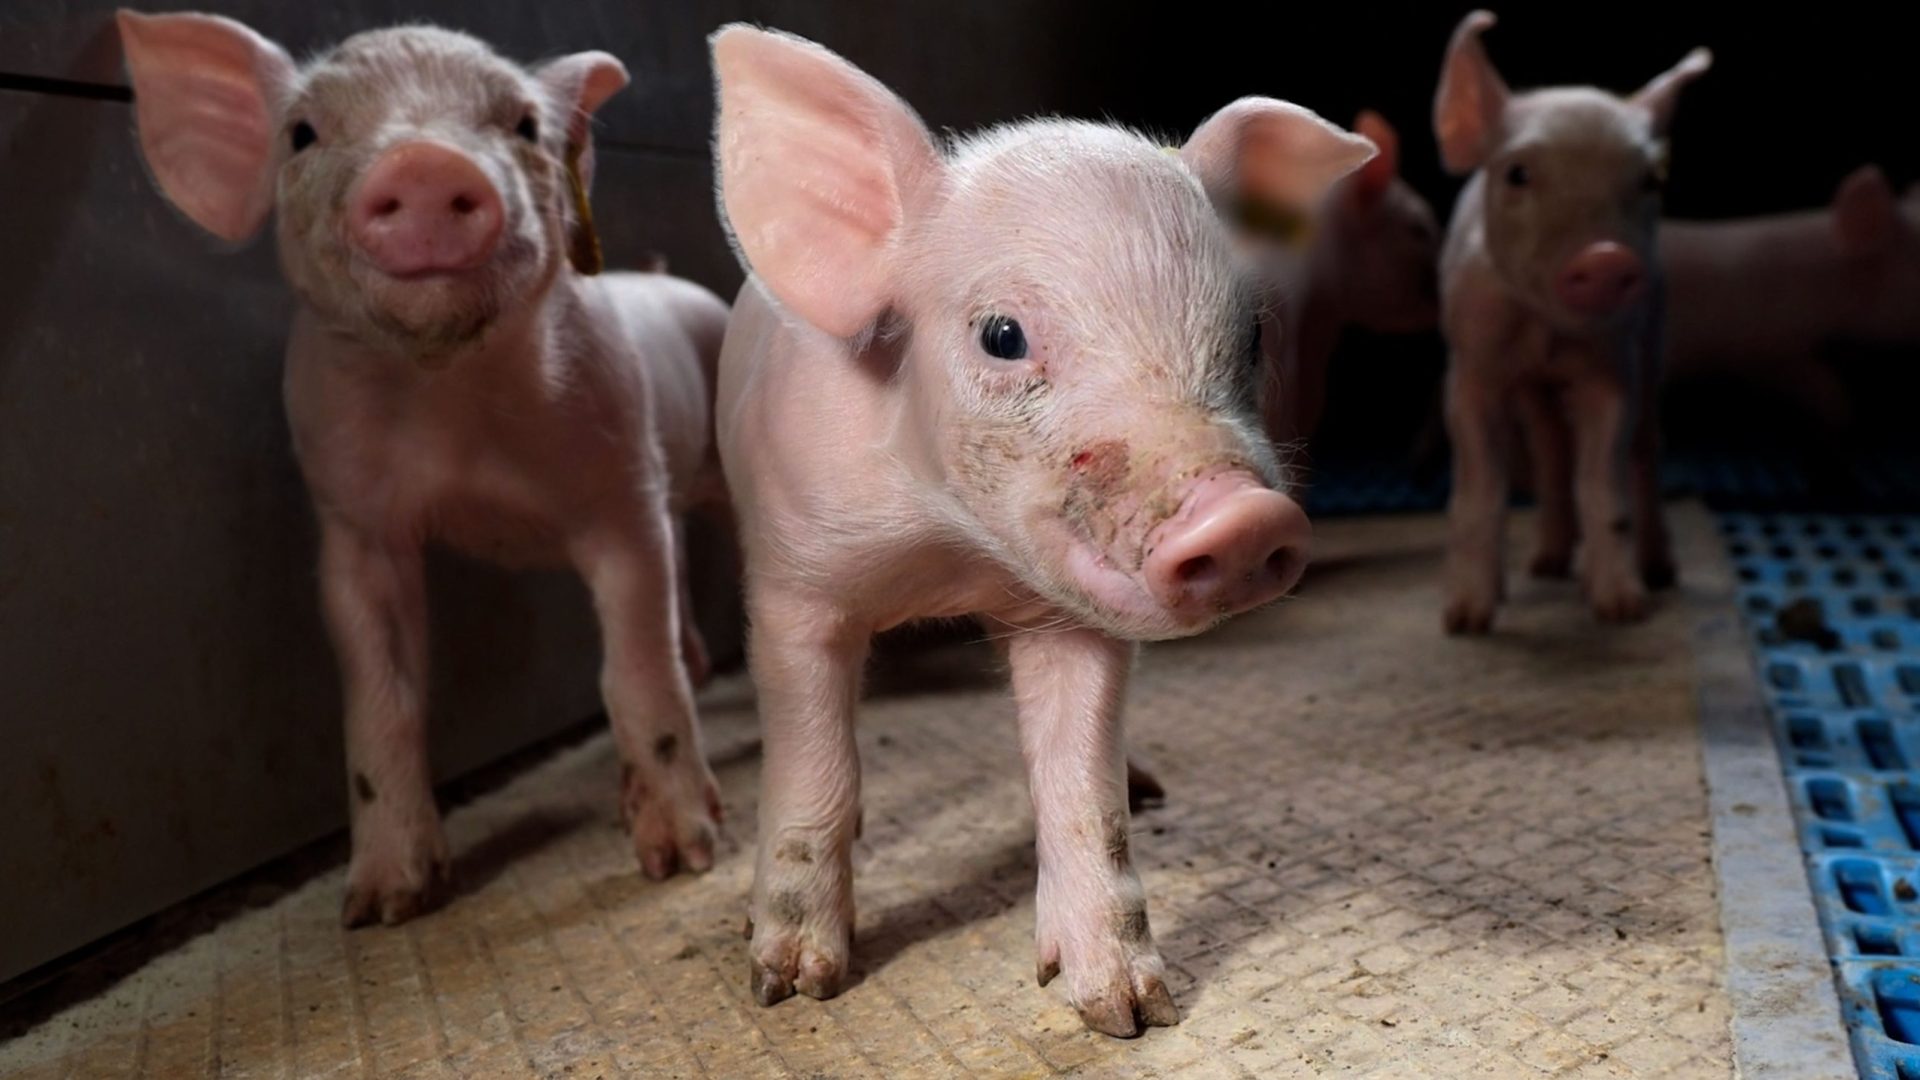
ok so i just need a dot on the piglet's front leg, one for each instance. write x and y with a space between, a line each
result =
1598 409
374 600
806 666
668 795
1091 913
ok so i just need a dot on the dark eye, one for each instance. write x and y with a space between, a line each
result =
1002 338
528 128
1518 176
302 136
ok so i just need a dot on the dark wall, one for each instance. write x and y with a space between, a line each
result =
1793 101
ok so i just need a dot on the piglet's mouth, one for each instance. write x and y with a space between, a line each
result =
1119 598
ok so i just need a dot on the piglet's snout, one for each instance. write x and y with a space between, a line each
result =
1234 544
425 208
1602 279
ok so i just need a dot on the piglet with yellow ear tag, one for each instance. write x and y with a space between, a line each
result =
454 375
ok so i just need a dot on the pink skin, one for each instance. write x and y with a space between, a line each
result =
1554 319
1756 299
887 466
424 208
1372 262
451 379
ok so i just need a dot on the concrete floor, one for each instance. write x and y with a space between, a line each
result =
1384 853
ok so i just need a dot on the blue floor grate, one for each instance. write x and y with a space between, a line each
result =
1832 612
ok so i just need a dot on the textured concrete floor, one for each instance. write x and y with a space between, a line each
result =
1385 853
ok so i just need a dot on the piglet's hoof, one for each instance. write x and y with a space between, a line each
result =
1464 616
781 966
1126 1011
675 821
390 904
1619 602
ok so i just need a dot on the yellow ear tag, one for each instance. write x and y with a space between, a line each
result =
1282 224
583 243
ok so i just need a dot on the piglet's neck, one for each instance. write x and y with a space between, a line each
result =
525 343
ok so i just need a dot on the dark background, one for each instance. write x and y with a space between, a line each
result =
1796 99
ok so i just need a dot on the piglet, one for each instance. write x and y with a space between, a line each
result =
1551 304
454 375
1011 377
1368 257
1757 298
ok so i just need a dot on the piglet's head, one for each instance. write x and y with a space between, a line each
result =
1572 177
425 187
1069 329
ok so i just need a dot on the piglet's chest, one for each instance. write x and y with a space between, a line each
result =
510 485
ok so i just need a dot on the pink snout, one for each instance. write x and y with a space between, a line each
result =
1234 544
424 208
1602 279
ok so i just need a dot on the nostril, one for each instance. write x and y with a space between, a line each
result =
464 204
1197 571
1282 563
386 207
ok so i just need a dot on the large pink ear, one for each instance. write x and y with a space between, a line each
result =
1273 153
1865 215
581 83
819 166
1377 175
1662 95
1472 99
207 97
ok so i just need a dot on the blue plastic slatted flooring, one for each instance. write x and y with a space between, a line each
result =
1832 610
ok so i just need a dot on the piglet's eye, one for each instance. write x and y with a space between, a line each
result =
302 136
1002 338
528 128
1518 176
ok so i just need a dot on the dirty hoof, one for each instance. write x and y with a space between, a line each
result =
1143 788
770 987
367 902
1551 566
782 965
1131 1009
672 831
1621 604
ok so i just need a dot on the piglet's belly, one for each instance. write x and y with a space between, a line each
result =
513 536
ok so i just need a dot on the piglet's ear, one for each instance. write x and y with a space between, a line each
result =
1661 96
207 95
1865 215
819 168
580 84
1271 155
1472 99
1377 175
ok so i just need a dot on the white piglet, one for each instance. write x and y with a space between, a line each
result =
1011 377
1552 304
451 378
